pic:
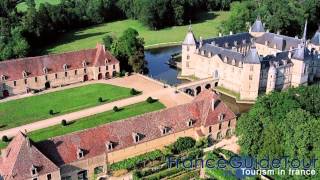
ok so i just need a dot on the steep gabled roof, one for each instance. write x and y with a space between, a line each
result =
20 156
190 39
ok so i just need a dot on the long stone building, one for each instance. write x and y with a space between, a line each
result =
85 154
254 62
23 75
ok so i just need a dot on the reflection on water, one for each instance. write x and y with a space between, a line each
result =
160 70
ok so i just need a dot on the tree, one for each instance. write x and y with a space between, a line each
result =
107 41
183 143
5 138
64 122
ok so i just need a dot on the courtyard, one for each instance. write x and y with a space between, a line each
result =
34 108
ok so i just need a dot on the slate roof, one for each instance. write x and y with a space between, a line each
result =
189 39
281 42
34 66
301 53
239 38
316 38
252 57
20 156
222 52
257 26
62 150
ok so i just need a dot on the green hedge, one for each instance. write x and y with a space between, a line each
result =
185 175
131 163
162 174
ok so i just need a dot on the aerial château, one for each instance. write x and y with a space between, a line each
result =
254 62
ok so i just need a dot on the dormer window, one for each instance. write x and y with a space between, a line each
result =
164 130
24 74
221 116
45 70
233 62
84 64
3 77
225 59
136 137
109 145
107 61
34 170
65 67
80 153
226 45
190 122
235 43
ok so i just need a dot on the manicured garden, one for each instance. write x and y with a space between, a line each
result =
153 165
31 109
96 120
208 25
93 121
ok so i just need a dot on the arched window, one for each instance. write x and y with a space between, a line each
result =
216 74
45 70
84 64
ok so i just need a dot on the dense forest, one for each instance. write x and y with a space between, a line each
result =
21 33
283 124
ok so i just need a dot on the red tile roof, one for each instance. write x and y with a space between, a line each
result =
20 156
62 150
12 69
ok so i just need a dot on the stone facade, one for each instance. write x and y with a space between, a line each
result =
87 153
253 63
40 73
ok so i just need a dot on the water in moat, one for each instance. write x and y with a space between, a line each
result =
159 69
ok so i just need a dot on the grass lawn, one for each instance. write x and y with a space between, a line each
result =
95 120
23 6
27 110
207 26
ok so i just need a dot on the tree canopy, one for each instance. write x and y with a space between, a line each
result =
283 124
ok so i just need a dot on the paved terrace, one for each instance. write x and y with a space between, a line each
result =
150 87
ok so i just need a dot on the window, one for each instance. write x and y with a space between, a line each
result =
99 69
49 177
210 129
56 76
136 137
45 70
36 79
46 77
75 72
24 74
98 170
229 123
107 68
65 67
35 179
188 48
14 83
83 175
84 64
114 66
25 81
187 64
164 130
109 145
80 153
33 170
188 57
221 116
251 67
190 123
85 70
220 125
3 77
250 77
65 74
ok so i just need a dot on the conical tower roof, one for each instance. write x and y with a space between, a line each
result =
316 38
257 26
190 38
252 56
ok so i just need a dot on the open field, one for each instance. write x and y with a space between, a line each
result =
93 121
208 25
22 6
30 109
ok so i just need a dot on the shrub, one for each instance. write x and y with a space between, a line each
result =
195 153
183 143
134 91
115 109
64 122
100 99
51 112
150 100
5 138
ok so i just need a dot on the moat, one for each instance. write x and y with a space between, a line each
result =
160 70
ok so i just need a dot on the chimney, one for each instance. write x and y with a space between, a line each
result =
278 32
213 104
296 37
201 42
231 32
220 34
289 54
268 30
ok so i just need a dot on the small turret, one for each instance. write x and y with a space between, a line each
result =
316 38
257 26
189 39
252 56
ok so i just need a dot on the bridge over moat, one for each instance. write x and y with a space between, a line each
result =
195 87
